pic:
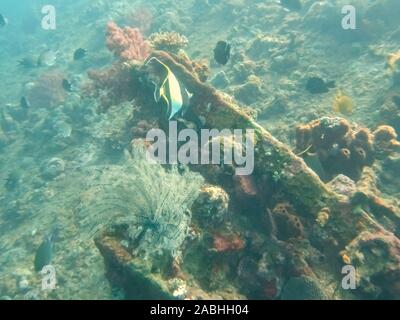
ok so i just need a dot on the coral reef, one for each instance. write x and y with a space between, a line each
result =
168 41
283 232
127 43
342 149
304 235
271 157
221 243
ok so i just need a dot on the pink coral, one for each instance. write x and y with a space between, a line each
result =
127 43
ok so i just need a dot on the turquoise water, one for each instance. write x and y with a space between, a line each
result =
273 124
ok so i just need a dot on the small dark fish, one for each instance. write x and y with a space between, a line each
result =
24 103
67 86
222 52
44 253
294 5
79 54
3 21
317 85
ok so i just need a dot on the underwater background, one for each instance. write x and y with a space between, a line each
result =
85 215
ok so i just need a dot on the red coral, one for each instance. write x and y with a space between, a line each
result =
127 43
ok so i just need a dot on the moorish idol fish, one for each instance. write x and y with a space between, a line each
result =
172 92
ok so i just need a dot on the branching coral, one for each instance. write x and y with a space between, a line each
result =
168 41
127 43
